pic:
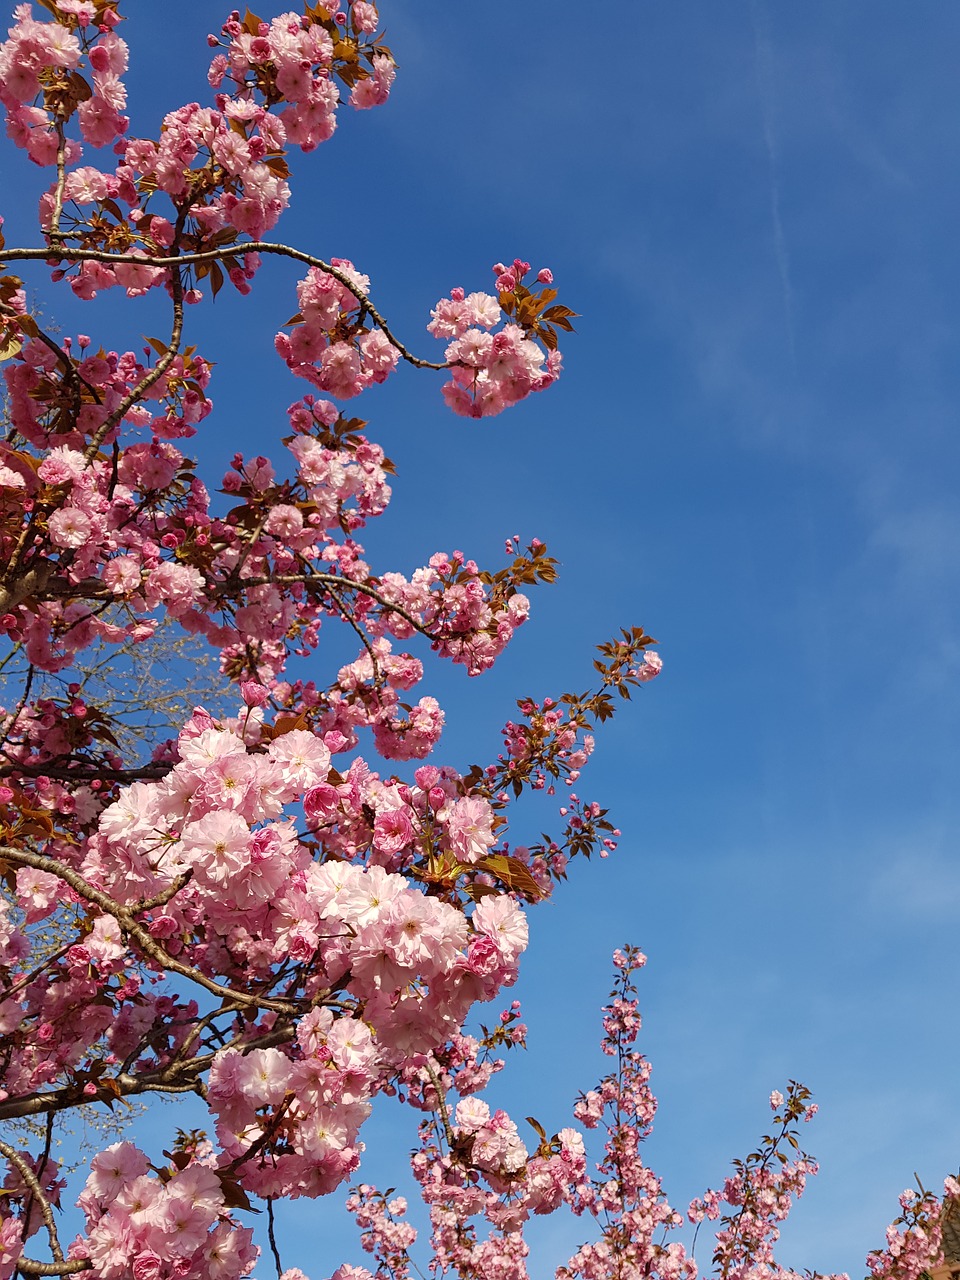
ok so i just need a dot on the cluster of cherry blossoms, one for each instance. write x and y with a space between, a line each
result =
250 912
490 371
240 916
353 969
178 1225
914 1239
482 1182
222 169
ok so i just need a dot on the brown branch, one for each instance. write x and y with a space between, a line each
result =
84 769
137 933
126 1085
31 1268
265 1138
162 898
32 583
441 1104
61 252
95 589
151 376
55 233
12 1156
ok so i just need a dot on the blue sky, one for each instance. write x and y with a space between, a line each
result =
753 454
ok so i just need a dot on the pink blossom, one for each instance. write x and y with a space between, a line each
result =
469 828
69 527
502 920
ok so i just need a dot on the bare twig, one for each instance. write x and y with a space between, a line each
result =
62 252
347 616
55 233
12 1156
273 1239
151 376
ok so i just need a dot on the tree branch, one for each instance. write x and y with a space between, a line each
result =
12 1156
55 233
95 589
31 1268
136 931
151 376
127 1085
62 252
84 769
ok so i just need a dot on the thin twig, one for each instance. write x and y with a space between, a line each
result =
347 616
10 992
56 253
12 1156
441 1103
42 1166
55 233
273 1239
151 376
14 715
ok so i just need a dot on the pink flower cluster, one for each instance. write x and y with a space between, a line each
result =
482 1183
38 54
489 371
223 171
292 58
141 528
317 349
239 916
178 1225
243 899
914 1239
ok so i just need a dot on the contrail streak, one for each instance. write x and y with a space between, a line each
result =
764 64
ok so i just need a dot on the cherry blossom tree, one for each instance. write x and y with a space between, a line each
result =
253 913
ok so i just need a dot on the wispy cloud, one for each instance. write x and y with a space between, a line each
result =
763 49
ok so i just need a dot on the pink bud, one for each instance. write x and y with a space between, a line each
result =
253 694
427 776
